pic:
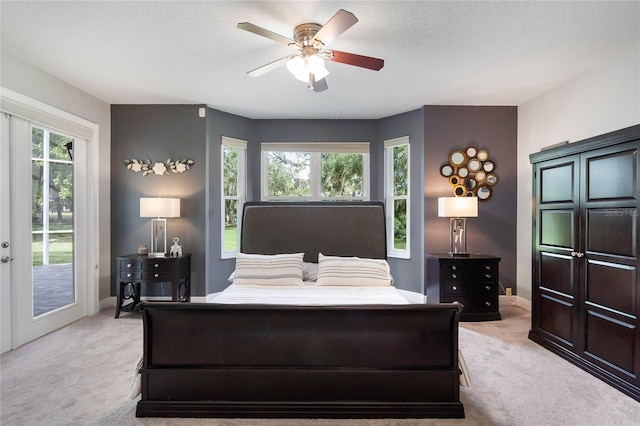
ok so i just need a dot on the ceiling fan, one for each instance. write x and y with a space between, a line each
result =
311 41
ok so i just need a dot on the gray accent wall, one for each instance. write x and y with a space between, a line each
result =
176 131
158 132
493 128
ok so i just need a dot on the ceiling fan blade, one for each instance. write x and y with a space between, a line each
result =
268 67
356 60
339 23
318 86
247 26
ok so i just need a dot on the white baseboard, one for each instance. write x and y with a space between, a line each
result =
515 300
108 303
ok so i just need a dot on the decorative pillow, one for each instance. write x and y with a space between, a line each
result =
355 271
310 271
276 269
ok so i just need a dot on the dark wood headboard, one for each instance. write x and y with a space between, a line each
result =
333 228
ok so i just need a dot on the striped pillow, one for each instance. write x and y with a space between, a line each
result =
277 269
354 271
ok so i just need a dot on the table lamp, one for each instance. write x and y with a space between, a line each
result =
458 209
160 209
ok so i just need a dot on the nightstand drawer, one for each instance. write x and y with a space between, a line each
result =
469 274
130 265
130 275
156 276
483 289
474 305
159 265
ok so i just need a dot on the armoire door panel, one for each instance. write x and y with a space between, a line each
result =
612 342
612 286
556 183
556 318
557 228
611 231
612 176
556 273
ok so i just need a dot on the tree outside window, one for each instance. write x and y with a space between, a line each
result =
397 196
233 158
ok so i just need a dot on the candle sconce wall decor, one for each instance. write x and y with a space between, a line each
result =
471 173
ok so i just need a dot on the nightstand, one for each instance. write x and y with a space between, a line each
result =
470 280
134 270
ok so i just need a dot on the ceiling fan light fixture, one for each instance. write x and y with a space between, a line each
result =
315 64
296 66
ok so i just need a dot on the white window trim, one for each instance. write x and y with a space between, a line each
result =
240 197
316 149
390 197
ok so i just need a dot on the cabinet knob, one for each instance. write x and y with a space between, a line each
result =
487 267
453 268
488 287
487 303
128 275
454 288
487 275
128 265
454 276
156 275
156 265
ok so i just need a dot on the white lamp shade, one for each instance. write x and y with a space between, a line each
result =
458 207
159 207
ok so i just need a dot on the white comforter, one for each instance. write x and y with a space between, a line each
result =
310 295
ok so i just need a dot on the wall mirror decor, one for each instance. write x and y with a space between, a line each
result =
471 173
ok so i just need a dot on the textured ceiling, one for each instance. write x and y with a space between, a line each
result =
435 52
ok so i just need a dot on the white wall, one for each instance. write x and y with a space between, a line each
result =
26 79
601 100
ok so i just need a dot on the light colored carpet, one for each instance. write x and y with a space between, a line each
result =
80 375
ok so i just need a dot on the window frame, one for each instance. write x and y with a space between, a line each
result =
391 197
315 149
240 197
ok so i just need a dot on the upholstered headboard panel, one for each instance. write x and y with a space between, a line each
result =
331 228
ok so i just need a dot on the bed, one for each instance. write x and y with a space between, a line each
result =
242 358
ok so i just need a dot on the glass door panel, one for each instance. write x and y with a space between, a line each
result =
52 222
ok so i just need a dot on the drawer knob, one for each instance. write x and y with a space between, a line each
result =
487 267
128 275
487 303
453 268
155 275
454 288
156 265
454 276
487 275
488 287
128 265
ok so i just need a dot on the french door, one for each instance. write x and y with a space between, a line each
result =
43 229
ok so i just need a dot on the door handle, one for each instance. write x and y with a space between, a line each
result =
6 259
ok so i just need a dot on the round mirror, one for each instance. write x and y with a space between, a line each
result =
482 155
472 151
455 180
470 183
488 166
459 191
457 158
492 179
463 172
483 192
480 176
446 170
474 165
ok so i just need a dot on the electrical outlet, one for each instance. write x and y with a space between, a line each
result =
508 291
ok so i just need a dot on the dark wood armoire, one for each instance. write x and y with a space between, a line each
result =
585 295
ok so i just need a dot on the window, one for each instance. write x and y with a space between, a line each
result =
315 171
396 168
233 166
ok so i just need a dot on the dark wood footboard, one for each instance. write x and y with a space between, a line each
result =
210 360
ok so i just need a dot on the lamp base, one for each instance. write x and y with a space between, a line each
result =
157 255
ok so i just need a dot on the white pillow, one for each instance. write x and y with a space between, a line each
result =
276 269
333 270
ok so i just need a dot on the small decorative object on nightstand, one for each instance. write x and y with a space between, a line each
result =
135 269
472 281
